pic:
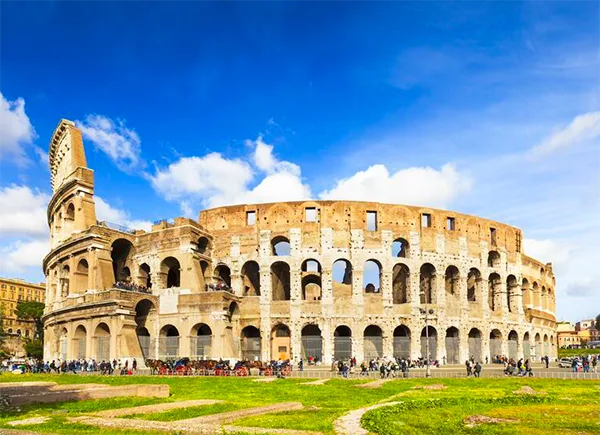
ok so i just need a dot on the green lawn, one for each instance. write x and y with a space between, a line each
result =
568 407
567 353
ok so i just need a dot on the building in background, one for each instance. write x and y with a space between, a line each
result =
567 335
11 292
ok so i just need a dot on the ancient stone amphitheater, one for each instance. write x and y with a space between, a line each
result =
327 279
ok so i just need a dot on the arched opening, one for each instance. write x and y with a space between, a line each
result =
536 296
203 245
280 281
342 279
494 291
452 345
311 280
65 279
144 309
251 278
475 345
144 277
537 347
546 345
81 276
402 342
342 343
201 275
493 259
400 283
312 344
250 343
280 342
495 344
473 284
526 346
544 299
400 248
429 334
281 246
233 312
452 278
121 252
513 344
527 296
171 269
102 342
168 343
373 342
201 341
427 280
223 277
511 293
79 342
372 277
70 215
63 343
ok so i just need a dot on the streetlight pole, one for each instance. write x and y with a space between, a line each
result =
427 312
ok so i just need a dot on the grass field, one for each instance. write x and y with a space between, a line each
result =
567 407
567 353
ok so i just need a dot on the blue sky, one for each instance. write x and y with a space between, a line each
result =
490 108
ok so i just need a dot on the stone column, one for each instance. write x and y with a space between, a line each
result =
295 285
326 287
414 289
357 290
265 312
388 341
327 335
415 341
386 288
462 291
358 346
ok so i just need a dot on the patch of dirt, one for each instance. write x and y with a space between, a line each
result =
375 384
264 380
528 390
318 382
477 420
34 420
149 409
430 387
349 424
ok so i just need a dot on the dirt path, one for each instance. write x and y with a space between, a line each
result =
375 384
349 424
317 382
148 409
231 416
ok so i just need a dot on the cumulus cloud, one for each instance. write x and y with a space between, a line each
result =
121 144
582 289
548 251
23 212
106 212
582 128
16 131
23 254
415 185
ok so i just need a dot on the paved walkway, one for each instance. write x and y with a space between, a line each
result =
349 424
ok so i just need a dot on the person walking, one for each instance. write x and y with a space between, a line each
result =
477 370
301 365
469 368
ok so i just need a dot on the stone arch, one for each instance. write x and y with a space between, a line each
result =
63 343
427 280
281 246
200 341
473 284
81 276
168 342
372 276
222 275
400 283
203 245
281 340
372 342
342 279
527 296
452 278
311 280
80 342
201 275
544 298
102 336
171 270
65 281
513 344
280 281
251 278
475 345
342 343
312 343
144 276
511 293
526 346
121 253
452 345
250 343
537 345
546 345
493 259
233 312
400 248
402 342
494 291
429 334
495 343
144 308
536 295
70 213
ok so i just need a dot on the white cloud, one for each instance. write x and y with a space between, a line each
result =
263 155
23 212
16 131
581 129
415 185
548 251
23 254
121 144
106 212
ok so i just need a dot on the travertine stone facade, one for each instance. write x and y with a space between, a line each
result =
329 279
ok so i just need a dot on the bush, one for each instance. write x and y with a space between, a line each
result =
34 349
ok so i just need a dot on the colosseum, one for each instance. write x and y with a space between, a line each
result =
327 279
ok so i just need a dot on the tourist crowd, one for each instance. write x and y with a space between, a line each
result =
72 366
124 285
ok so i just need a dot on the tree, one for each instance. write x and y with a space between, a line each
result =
30 310
34 349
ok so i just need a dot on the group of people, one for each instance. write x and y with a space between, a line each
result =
473 368
585 363
387 367
124 285
219 286
72 366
